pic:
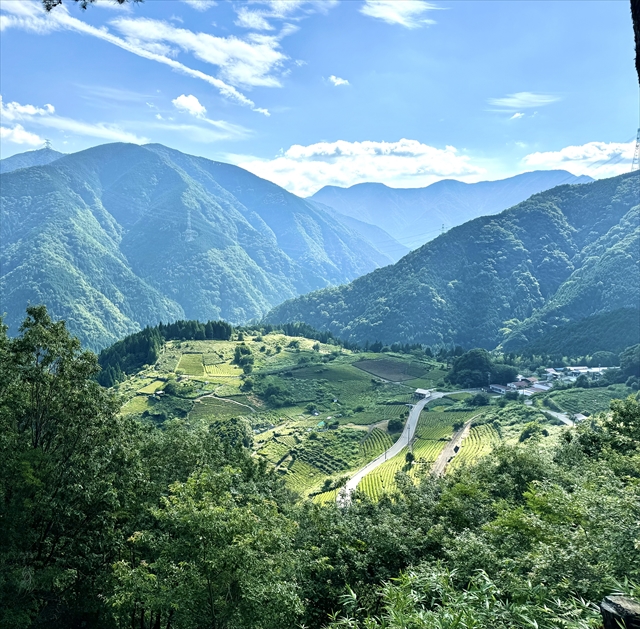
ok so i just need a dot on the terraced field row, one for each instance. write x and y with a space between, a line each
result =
481 440
222 370
375 443
301 476
382 479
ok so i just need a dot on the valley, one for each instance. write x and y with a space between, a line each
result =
324 417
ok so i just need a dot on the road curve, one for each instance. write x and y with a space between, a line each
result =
344 495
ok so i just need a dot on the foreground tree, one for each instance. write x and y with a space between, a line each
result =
65 459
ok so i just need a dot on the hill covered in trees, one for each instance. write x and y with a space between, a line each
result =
416 215
561 256
39 157
120 236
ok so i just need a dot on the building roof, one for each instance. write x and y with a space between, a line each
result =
518 385
423 392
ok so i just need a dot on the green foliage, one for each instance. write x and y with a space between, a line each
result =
475 367
108 522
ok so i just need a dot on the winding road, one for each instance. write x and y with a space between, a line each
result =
344 495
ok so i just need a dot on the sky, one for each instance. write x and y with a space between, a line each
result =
328 92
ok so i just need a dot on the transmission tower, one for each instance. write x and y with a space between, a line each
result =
635 164
48 145
190 234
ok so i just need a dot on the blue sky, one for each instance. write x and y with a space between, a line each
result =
327 92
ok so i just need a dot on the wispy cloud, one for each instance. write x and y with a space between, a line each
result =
200 5
259 14
247 62
597 159
337 81
305 169
517 115
189 104
407 13
18 135
45 117
523 100
252 19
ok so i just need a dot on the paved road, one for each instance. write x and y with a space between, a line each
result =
344 495
563 417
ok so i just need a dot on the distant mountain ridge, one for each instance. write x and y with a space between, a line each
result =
414 216
120 236
557 258
39 157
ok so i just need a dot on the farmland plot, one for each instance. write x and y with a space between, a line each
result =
191 364
390 369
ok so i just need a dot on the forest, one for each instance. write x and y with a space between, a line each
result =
108 521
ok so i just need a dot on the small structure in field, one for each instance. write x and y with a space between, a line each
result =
422 393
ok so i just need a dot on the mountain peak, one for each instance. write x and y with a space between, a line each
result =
37 157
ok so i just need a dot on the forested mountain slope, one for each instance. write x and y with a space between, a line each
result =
560 256
40 157
416 215
120 236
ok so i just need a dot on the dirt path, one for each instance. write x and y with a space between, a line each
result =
451 449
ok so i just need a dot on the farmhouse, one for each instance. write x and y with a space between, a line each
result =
422 393
517 386
498 388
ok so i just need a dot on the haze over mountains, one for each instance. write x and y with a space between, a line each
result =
414 216
120 236
561 256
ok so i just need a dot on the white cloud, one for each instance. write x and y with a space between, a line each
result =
248 61
45 117
597 159
253 61
253 20
517 115
18 135
200 5
16 111
336 80
305 169
523 100
190 104
407 13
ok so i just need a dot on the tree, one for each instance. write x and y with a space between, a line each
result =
66 456
51 4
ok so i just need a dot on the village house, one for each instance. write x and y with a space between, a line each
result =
422 393
498 388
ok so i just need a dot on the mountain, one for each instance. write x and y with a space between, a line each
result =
120 236
414 216
380 239
559 257
41 157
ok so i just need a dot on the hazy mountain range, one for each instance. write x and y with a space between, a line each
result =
413 216
120 235
559 257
